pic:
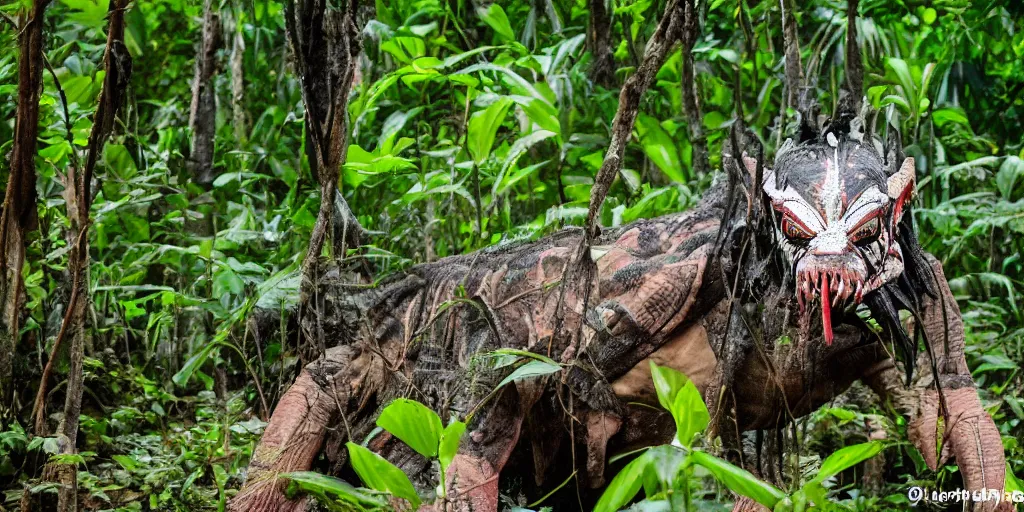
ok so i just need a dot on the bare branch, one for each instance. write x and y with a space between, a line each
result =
665 37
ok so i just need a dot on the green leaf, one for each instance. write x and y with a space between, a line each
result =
660 148
450 443
1013 484
1006 179
312 481
667 383
128 463
898 100
929 15
496 18
483 126
943 116
185 373
690 413
530 370
379 474
624 486
414 423
847 458
227 281
664 464
738 479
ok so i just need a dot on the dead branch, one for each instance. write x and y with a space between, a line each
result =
665 37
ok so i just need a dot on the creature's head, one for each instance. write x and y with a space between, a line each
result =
839 207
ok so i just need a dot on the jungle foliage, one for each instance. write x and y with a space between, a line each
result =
470 124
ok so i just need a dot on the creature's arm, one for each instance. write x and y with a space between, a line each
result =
969 434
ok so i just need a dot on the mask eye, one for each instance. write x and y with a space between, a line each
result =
795 230
867 231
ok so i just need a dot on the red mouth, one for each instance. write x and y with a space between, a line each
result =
834 287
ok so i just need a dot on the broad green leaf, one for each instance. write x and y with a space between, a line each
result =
544 114
942 116
450 443
690 413
312 481
738 479
497 19
667 383
660 148
379 474
1009 172
624 486
414 423
898 100
483 126
846 458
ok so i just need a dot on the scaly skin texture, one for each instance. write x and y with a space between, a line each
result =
421 335
657 294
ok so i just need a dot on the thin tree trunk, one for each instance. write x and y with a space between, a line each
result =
117 63
854 64
599 43
691 104
791 46
202 119
238 113
19 206
325 48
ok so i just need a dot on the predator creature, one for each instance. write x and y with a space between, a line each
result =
818 249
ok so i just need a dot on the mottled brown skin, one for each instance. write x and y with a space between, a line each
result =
657 295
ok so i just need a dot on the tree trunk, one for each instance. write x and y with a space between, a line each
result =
325 48
599 43
202 120
117 64
19 206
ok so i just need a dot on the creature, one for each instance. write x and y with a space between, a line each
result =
808 250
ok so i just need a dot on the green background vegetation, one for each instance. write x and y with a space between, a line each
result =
471 124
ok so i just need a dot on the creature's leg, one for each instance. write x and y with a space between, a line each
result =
472 479
296 432
970 434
